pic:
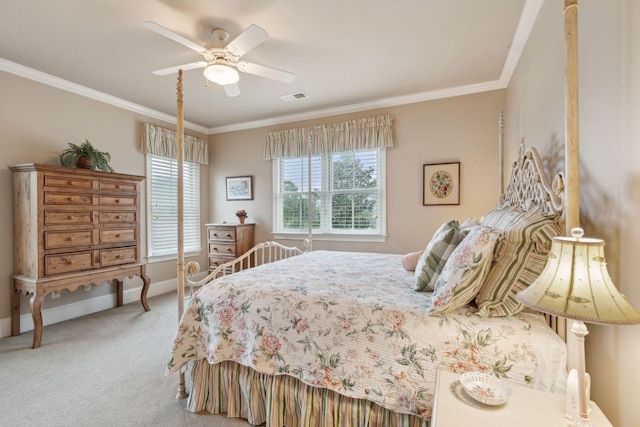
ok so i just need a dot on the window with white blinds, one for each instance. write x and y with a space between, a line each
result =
347 193
162 204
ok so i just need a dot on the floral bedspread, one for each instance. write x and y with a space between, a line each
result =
353 323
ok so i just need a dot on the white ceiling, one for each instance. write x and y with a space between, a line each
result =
347 55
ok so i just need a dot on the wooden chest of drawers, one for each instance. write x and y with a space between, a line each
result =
73 227
226 242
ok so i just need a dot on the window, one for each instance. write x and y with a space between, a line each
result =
347 194
162 206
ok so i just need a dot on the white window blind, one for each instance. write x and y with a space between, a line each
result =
347 193
162 201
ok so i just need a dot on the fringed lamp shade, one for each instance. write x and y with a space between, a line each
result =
575 284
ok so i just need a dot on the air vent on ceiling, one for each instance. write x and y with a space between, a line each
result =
294 97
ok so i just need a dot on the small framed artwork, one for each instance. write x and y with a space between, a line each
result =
239 188
441 184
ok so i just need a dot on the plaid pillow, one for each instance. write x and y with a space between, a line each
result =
435 256
465 271
519 258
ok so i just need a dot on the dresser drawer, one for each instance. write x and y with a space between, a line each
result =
119 186
117 235
66 239
52 198
118 217
222 234
117 256
63 182
215 262
222 248
68 218
118 200
67 263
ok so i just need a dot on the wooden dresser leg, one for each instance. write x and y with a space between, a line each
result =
145 287
119 292
36 311
15 309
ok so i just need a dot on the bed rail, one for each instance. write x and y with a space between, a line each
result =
262 253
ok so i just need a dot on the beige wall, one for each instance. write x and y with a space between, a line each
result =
609 102
463 129
36 123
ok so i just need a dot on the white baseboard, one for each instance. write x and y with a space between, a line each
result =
82 308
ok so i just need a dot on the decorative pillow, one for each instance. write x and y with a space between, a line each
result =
519 258
465 271
440 248
446 226
468 223
410 260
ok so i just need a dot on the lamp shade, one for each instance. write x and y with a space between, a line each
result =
575 284
221 74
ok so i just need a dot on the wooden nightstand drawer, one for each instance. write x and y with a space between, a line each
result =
215 262
66 263
66 239
222 233
117 256
117 235
222 249
68 218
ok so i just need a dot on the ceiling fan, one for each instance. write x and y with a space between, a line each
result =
221 63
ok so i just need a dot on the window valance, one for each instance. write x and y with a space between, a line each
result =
164 142
360 134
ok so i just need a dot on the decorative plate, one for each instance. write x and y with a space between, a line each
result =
485 388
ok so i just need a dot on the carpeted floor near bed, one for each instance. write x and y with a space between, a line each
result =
105 369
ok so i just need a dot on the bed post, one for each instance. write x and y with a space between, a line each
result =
571 152
500 155
182 391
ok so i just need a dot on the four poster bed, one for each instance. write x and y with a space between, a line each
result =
322 338
354 339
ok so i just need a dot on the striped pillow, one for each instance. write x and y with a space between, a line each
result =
435 256
465 271
519 258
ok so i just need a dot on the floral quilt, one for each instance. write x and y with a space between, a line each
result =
353 323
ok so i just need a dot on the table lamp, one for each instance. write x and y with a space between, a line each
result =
575 284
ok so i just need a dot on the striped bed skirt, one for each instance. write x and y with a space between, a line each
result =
282 400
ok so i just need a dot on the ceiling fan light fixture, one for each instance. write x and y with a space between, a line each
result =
221 74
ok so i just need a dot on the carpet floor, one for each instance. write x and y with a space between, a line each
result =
104 369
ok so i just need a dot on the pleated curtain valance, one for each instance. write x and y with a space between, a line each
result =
164 142
360 134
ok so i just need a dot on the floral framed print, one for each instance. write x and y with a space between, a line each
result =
441 184
239 188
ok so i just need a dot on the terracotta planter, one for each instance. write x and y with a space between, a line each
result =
85 162
241 219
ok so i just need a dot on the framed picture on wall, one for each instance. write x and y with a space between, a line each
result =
441 184
239 188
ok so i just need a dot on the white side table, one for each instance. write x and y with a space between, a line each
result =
453 407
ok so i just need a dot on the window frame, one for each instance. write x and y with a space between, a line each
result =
191 247
327 233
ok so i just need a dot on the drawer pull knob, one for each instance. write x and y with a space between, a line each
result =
117 200
72 217
119 256
70 199
228 236
67 260
71 239
229 250
118 235
118 217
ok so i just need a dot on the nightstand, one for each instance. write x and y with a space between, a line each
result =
453 407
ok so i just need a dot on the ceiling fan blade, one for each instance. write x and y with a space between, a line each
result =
185 67
268 72
247 40
173 36
232 90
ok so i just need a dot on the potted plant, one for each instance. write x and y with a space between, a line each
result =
242 215
85 156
